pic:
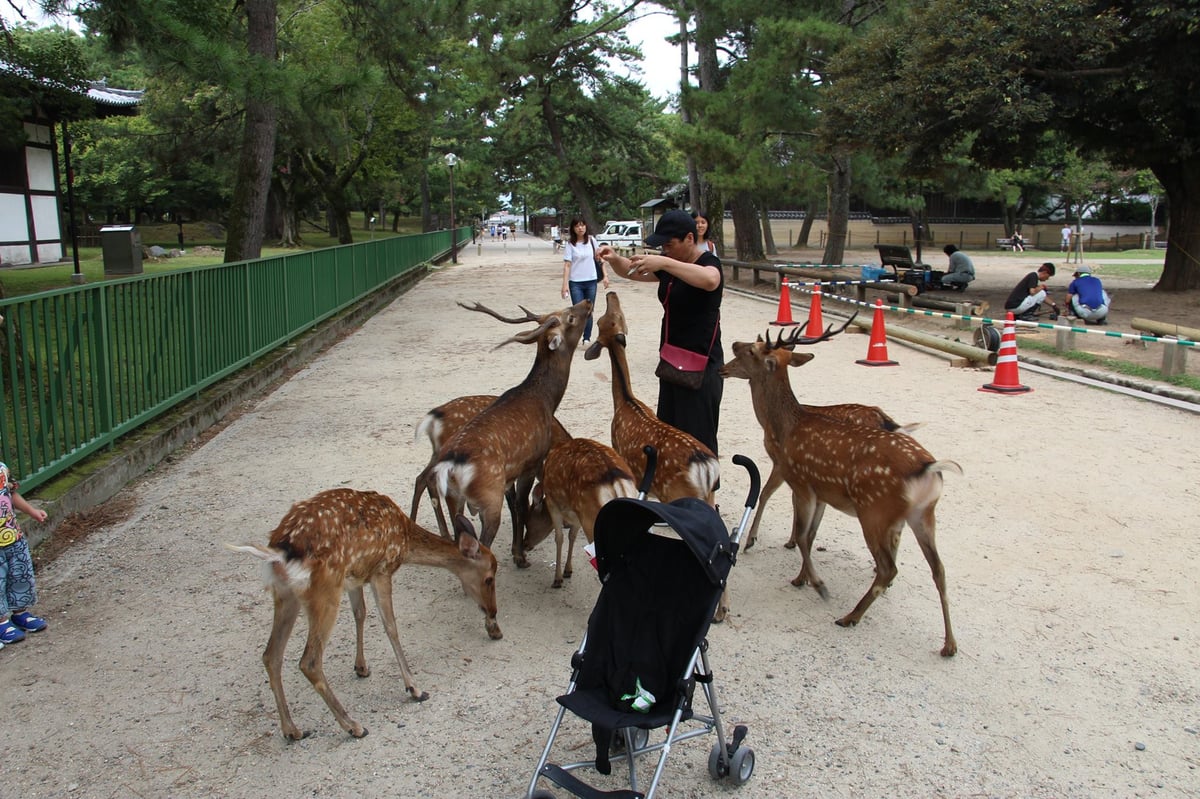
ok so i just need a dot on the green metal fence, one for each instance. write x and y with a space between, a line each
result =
85 365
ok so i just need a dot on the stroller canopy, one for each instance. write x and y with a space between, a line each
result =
621 529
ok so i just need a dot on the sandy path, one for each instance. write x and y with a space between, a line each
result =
1073 595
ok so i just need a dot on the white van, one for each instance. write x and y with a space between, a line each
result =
624 234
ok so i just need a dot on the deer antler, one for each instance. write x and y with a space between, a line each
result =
530 316
530 336
795 339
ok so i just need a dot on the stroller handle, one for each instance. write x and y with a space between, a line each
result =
755 481
651 468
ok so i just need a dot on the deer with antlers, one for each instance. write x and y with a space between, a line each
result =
338 541
508 441
686 468
882 477
441 424
784 418
579 477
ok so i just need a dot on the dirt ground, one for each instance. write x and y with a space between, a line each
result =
1072 591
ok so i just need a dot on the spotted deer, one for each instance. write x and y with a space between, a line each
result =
579 477
439 425
686 467
882 477
786 416
338 541
508 441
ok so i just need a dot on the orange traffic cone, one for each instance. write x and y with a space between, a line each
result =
877 354
1006 380
784 315
816 325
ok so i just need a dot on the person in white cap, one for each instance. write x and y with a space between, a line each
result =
1086 297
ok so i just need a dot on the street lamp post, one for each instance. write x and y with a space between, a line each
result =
451 161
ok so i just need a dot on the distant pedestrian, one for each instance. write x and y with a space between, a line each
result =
1066 238
582 270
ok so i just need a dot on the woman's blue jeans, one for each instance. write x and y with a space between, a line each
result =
584 290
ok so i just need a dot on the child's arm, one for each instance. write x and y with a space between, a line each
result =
20 504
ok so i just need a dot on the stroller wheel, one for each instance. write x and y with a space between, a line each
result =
714 761
741 765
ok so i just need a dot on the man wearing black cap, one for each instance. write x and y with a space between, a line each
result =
690 286
1086 297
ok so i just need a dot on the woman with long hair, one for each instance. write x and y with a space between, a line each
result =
702 227
582 269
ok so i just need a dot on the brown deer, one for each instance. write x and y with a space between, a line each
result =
785 417
337 541
884 478
439 425
508 441
686 467
579 477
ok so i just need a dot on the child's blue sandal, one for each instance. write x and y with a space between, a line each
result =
9 634
28 622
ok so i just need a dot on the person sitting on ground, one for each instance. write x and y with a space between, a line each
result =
961 271
1027 297
1086 297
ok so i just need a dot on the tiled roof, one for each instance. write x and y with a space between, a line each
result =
100 92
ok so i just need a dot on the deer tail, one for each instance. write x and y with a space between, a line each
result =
281 572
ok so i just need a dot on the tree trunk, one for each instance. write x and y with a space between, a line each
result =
247 212
839 211
810 213
583 198
767 234
747 237
1181 181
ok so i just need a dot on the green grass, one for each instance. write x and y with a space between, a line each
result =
1114 365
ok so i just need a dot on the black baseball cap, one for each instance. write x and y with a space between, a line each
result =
673 225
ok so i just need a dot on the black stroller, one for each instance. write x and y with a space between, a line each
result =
663 569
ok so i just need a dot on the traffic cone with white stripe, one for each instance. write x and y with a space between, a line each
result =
1006 380
877 354
784 315
816 325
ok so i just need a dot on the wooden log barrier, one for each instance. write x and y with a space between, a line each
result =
1174 357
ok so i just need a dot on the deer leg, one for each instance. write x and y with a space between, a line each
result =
722 607
425 482
879 540
359 608
381 588
571 534
774 480
322 606
806 517
518 502
924 528
287 608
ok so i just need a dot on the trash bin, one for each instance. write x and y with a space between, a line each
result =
121 246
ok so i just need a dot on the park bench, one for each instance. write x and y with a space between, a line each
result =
1006 243
899 259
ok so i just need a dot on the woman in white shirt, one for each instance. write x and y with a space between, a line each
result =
582 270
702 233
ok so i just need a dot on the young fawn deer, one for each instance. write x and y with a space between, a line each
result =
508 441
337 541
883 478
440 425
686 468
784 419
579 477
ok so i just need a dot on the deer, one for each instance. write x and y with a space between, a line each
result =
785 419
882 477
439 425
507 442
579 477
338 541
686 467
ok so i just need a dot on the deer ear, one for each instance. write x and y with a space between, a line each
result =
468 545
556 342
801 358
463 529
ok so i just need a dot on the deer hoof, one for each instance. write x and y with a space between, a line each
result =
358 731
720 615
950 649
295 734
790 545
417 697
749 543
846 622
822 590
493 629
556 584
362 671
521 561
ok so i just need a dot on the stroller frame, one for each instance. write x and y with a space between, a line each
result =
624 539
